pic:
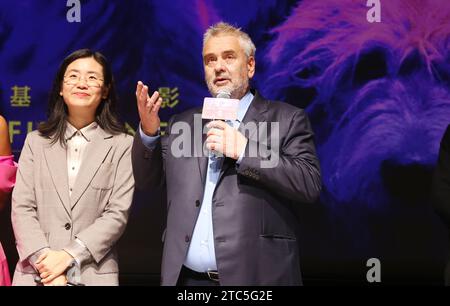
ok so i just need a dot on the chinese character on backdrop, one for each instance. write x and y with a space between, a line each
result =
20 97
169 96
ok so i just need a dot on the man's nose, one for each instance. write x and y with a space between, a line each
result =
220 65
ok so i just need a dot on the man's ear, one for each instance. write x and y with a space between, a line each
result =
251 65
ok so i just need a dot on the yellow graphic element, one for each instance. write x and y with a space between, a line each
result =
12 129
15 128
163 126
129 129
20 97
169 96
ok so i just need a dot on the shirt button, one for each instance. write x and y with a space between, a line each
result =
76 150
73 168
67 226
187 238
197 203
70 189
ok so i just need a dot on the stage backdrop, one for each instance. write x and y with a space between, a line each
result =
373 76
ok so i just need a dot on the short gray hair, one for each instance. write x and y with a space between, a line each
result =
222 28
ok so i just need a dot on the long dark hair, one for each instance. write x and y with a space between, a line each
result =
106 115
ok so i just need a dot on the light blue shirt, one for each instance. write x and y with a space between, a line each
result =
201 254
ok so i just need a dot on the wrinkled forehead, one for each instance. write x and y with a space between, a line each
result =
222 43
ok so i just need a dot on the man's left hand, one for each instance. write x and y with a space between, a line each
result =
225 139
52 264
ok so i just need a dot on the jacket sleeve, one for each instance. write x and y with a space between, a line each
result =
292 167
30 238
148 163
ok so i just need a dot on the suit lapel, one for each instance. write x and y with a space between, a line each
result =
256 113
56 159
93 157
202 160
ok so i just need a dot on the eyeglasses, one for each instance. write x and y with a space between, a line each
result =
91 80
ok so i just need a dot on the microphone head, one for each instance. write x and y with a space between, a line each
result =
223 94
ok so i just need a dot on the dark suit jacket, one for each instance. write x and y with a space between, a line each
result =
441 188
254 209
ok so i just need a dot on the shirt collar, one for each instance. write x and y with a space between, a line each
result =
87 132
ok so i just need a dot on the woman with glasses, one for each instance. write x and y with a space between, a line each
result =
74 184
7 178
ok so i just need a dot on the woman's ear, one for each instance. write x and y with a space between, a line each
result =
60 93
105 92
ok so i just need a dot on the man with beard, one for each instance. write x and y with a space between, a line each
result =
231 220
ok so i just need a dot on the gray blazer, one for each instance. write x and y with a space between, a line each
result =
43 214
255 209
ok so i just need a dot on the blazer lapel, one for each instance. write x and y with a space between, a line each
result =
202 159
93 157
56 159
256 113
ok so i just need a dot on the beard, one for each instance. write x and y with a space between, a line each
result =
236 89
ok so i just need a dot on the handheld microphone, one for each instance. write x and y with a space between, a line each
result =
223 94
222 107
